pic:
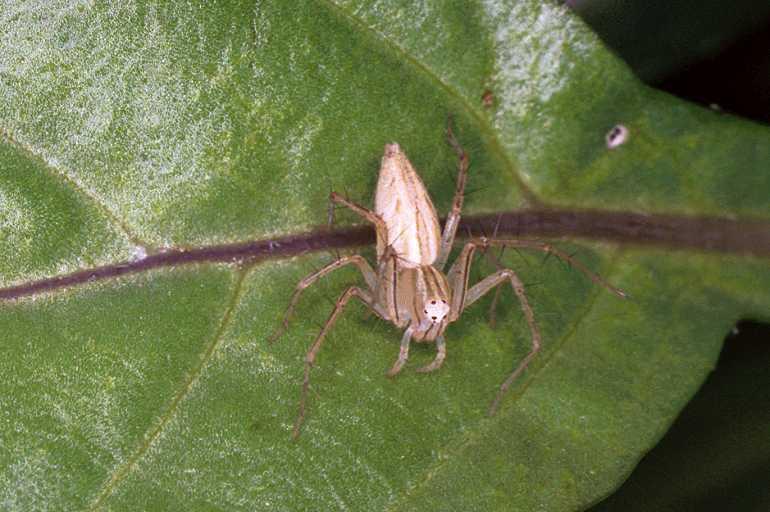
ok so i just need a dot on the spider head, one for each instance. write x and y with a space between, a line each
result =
433 319
428 302
435 310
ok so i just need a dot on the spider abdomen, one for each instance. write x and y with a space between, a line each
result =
403 203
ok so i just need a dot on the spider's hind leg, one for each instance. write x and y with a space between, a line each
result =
312 352
379 224
551 250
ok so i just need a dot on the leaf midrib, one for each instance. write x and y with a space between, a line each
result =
356 24
750 237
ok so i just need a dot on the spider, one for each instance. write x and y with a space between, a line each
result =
409 287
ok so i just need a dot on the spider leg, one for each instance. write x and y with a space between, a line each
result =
480 289
462 296
359 261
457 277
493 308
551 250
379 224
403 354
353 291
498 291
440 356
453 219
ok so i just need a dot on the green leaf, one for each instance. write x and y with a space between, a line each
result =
132 128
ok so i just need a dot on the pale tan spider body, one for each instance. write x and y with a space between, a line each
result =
422 299
410 291
401 201
409 287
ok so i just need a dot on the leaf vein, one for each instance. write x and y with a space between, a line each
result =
123 470
481 122
77 187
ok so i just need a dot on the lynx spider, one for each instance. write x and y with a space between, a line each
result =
409 287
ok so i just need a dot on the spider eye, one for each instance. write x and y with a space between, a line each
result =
433 302
433 317
442 300
425 311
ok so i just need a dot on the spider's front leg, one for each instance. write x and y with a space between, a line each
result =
369 276
482 288
453 219
366 296
403 354
463 297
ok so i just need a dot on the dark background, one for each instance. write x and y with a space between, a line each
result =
716 456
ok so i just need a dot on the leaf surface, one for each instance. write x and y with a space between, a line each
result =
130 129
